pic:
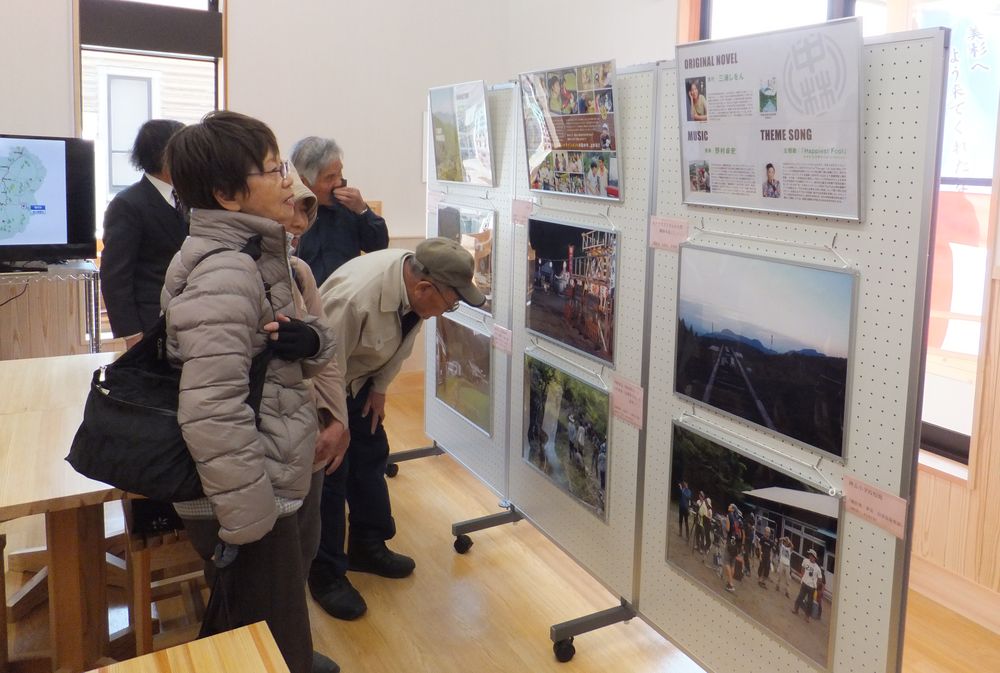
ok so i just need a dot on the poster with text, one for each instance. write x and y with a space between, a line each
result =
461 134
569 130
772 122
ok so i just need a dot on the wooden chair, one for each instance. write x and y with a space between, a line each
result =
161 564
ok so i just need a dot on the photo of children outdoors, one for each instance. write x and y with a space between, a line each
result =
762 541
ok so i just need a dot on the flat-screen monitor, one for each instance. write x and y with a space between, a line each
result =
47 210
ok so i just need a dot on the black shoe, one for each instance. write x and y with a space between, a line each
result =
324 664
374 557
338 598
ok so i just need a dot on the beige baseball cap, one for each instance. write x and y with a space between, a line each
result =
448 263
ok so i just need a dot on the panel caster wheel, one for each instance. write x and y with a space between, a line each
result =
463 543
391 470
564 650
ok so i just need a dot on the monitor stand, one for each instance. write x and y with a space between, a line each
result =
13 268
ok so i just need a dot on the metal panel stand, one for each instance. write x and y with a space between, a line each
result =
562 634
461 529
391 467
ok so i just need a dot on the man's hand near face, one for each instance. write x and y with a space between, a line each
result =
351 198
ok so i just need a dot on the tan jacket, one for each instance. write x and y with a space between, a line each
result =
361 302
328 386
214 328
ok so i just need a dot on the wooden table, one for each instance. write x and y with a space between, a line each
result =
41 406
250 649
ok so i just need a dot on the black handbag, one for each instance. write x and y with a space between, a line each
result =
130 437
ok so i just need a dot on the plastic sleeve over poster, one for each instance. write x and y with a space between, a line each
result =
772 122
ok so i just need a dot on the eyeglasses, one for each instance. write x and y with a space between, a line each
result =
453 307
282 170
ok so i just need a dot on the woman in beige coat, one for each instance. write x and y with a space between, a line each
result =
220 313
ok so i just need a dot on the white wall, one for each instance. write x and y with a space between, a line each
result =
359 72
36 76
355 71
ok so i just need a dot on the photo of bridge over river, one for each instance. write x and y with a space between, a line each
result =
768 341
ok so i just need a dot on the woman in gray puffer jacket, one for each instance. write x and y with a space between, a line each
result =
221 312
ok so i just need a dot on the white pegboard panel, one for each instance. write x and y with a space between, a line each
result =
903 82
604 547
484 455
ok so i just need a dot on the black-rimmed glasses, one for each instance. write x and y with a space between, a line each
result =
453 307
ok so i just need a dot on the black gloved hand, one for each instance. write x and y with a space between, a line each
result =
225 554
295 340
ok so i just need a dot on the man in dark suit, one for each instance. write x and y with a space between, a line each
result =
345 225
144 226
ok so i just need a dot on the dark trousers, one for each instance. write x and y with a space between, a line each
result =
682 521
805 599
308 516
269 584
360 483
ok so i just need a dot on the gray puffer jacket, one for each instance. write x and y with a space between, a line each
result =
214 329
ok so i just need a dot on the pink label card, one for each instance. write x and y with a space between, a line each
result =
520 211
626 402
876 506
503 339
666 233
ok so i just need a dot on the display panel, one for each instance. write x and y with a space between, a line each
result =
464 372
571 289
461 131
772 121
569 130
46 199
474 229
566 432
767 341
763 542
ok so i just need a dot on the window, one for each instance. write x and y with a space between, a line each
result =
121 91
959 277
128 103
141 61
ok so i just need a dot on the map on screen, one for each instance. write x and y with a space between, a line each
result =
32 191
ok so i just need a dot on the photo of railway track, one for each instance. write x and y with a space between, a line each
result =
768 341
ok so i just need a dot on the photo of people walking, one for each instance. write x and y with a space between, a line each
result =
566 432
762 541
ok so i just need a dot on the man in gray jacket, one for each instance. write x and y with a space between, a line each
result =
375 305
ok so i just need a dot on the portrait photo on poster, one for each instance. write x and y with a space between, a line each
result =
460 132
463 372
567 432
768 341
474 229
569 130
571 286
761 541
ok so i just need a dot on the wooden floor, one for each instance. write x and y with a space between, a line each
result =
489 611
